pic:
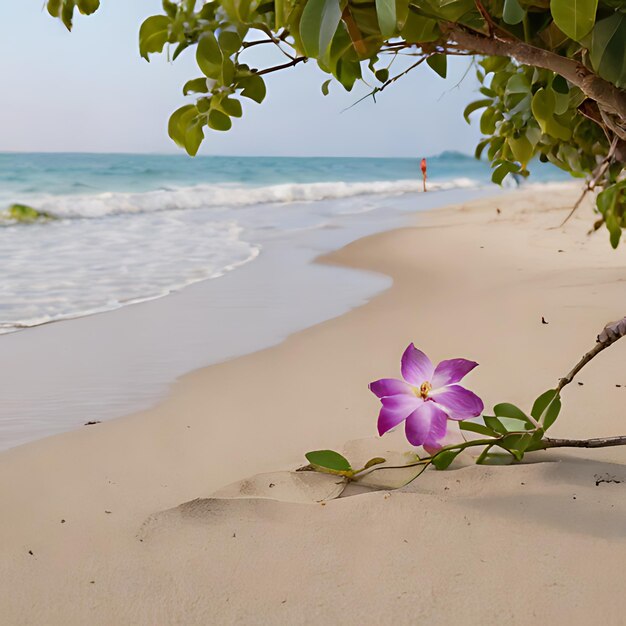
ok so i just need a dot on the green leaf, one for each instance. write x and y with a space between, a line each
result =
496 458
325 85
209 55
535 441
574 17
218 120
552 413
522 149
54 7
488 121
513 13
541 403
67 13
442 460
439 62
328 459
87 7
179 122
480 148
179 48
474 106
229 42
382 75
506 409
153 35
495 424
516 444
608 48
196 85
386 12
615 229
474 427
449 10
502 170
420 29
194 137
253 87
318 24
543 106
231 107
518 83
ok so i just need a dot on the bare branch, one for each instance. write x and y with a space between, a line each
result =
284 66
596 442
611 333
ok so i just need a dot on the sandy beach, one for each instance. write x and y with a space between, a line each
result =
115 524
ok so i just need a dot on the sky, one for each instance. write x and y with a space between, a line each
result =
90 91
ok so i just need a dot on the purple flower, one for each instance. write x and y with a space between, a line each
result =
426 398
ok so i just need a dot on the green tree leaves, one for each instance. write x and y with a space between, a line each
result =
574 17
185 128
439 62
612 206
153 35
209 56
513 13
320 19
544 109
608 48
386 11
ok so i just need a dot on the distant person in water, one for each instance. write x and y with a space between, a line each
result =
423 168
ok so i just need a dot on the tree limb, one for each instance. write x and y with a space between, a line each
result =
611 98
596 442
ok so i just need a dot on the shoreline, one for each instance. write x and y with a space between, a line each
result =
477 289
126 359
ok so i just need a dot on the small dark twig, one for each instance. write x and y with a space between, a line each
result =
284 66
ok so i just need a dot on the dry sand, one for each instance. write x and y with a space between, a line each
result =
113 524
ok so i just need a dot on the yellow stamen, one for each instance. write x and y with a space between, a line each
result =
425 389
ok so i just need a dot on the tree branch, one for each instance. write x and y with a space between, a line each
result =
611 333
284 66
611 98
596 442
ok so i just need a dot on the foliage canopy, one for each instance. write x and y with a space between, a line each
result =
552 72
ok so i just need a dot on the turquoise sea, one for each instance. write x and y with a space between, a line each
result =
136 227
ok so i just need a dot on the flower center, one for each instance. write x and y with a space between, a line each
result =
425 389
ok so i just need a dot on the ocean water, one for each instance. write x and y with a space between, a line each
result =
131 228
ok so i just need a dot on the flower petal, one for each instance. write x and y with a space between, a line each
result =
395 410
452 371
459 403
453 436
426 425
416 366
390 387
